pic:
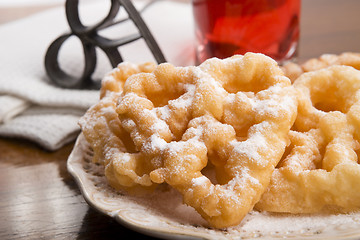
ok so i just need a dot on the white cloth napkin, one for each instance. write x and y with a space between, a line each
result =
31 107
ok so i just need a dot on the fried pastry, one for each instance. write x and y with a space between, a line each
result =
166 124
235 113
320 170
124 167
293 70
269 144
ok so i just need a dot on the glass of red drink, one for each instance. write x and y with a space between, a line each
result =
227 27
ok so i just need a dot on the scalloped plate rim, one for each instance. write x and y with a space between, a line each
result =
157 231
153 231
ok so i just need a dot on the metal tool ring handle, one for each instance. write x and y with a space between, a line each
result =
91 33
52 66
72 15
62 78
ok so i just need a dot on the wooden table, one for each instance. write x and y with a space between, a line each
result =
40 200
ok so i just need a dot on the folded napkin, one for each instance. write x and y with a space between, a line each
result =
32 107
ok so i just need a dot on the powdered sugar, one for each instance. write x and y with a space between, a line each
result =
279 101
158 124
271 224
164 210
241 179
183 101
157 142
153 123
163 112
199 181
252 148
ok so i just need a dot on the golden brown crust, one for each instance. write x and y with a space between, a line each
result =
166 124
163 124
293 70
321 170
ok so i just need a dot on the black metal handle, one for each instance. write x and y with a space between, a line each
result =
90 39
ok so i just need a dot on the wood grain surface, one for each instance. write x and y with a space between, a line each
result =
40 200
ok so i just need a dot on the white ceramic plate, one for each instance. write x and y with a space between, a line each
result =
163 215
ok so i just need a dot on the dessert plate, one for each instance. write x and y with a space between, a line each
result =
162 214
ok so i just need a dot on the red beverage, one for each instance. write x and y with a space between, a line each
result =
228 27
